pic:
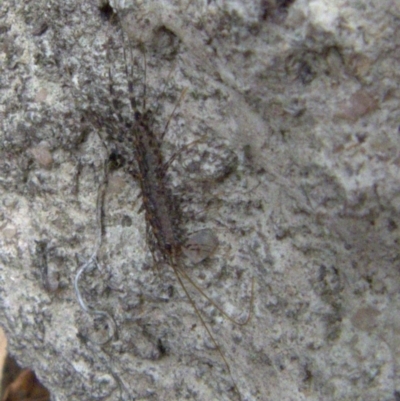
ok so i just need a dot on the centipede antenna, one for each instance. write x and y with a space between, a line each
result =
162 92
183 93
144 79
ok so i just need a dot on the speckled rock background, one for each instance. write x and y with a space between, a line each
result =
297 174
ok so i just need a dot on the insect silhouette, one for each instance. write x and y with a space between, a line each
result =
161 210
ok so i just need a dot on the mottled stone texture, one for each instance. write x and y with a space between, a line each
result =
296 104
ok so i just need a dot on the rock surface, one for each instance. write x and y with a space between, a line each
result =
296 106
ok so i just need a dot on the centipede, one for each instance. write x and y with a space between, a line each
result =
160 210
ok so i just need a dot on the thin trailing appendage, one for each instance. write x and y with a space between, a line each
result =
93 262
160 211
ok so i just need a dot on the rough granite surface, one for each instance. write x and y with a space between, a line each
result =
297 173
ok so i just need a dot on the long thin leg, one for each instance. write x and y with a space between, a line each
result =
173 157
196 309
230 318
144 80
183 93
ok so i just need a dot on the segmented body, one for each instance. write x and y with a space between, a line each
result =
156 195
